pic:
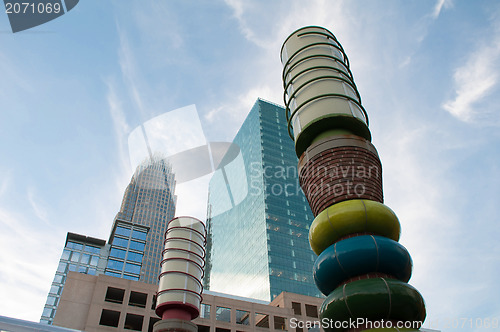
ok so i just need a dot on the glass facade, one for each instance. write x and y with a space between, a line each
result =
127 250
258 217
81 254
139 227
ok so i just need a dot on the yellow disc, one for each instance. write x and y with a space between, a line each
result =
351 217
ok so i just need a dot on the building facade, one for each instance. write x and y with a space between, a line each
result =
258 217
139 227
81 254
136 241
104 303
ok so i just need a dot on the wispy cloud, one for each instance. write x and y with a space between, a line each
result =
5 183
440 4
475 79
27 265
38 206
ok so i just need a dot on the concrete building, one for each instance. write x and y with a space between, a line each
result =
104 303
258 219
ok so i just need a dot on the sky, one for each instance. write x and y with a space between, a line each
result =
73 90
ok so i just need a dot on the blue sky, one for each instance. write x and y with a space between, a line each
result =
72 90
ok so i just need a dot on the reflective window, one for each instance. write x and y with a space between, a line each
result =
65 254
205 311
91 271
85 259
62 267
137 245
72 267
118 253
92 249
130 277
132 268
113 274
47 312
51 300
135 257
139 235
122 231
75 257
120 242
74 245
54 290
94 260
242 317
115 265
82 269
223 314
58 278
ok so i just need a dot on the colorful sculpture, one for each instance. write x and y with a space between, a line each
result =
361 267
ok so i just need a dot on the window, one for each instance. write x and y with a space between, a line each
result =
75 257
122 231
139 235
115 265
205 311
261 320
113 274
132 268
82 269
91 271
120 242
47 312
152 321
311 310
65 254
133 322
203 328
94 260
139 246
153 303
223 314
296 308
118 253
51 300
54 290
92 249
242 317
74 245
114 295
85 259
62 267
72 267
58 278
130 277
135 257
138 299
279 323
109 318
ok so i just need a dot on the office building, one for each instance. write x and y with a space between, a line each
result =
258 217
81 254
136 241
103 303
137 236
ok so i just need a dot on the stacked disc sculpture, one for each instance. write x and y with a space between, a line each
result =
179 290
361 267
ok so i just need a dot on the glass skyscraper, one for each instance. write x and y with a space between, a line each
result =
136 241
258 217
